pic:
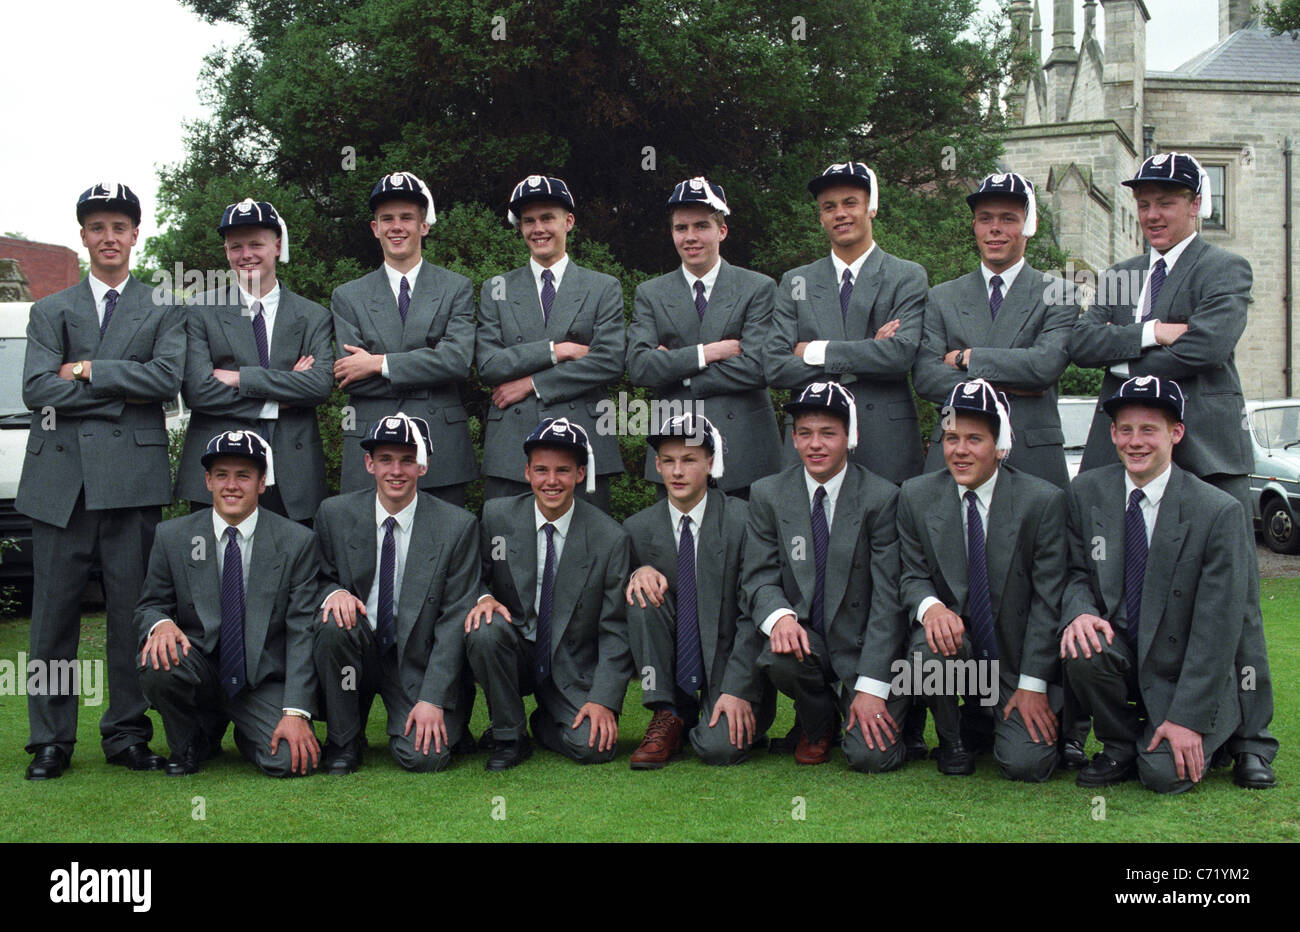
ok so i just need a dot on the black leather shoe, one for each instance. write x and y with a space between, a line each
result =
138 757
507 754
338 760
466 744
1104 770
185 763
49 762
914 746
1252 772
955 760
1073 756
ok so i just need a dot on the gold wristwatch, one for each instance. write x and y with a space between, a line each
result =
79 368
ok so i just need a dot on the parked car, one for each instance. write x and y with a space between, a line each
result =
1275 480
1076 418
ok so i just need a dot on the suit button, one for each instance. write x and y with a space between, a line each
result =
518 411
859 642
58 448
731 415
572 406
135 359
857 605
519 339
1172 639
573 335
1178 593
117 433
297 446
870 406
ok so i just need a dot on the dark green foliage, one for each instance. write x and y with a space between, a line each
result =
1076 381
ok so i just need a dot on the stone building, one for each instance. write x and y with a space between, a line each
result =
1087 115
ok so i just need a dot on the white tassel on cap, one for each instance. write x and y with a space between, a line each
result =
1207 199
717 468
1005 436
284 238
871 206
853 407
421 452
270 460
430 215
1031 209
711 198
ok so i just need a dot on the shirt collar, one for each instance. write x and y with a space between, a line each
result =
832 484
245 527
1153 491
696 514
708 277
395 277
270 301
1170 255
561 523
405 517
98 289
557 270
983 492
854 267
1008 277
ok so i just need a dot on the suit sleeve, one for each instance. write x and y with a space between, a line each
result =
1106 333
1216 622
781 366
741 678
459 593
448 360
1078 597
158 594
932 378
297 389
347 332
201 390
300 629
874 358
886 627
1033 368
603 364
498 363
328 576
743 372
158 379
761 577
614 665
42 385
647 364
1040 653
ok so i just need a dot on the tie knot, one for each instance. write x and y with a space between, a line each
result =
257 309
1135 498
550 531
996 281
699 287
389 523
111 294
847 277
971 497
232 535
1160 264
548 275
405 286
820 494
686 523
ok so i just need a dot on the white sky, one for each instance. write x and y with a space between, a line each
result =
70 63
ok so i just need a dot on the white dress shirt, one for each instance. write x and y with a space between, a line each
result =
402 543
814 353
560 535
395 283
1149 328
1152 493
557 271
696 515
99 291
1008 277
270 304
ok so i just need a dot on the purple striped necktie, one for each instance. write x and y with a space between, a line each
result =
995 296
403 298
259 336
979 606
1154 283
384 627
1135 564
821 546
110 302
545 603
690 660
700 301
548 295
846 294
231 640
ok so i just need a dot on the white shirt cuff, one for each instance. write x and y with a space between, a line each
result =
1120 369
925 607
866 684
486 595
700 355
383 367
270 411
1149 334
770 621
330 596
554 359
814 353
157 623
305 714
1032 683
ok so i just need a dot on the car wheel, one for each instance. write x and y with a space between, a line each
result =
1281 532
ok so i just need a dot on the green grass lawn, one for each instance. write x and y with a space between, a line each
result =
550 799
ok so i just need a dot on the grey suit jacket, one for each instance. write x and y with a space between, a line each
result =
512 342
1025 350
428 361
439 584
219 335
1193 589
1025 548
731 393
1209 290
861 612
184 585
728 638
591 660
808 308
92 436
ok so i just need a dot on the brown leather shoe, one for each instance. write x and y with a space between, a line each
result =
662 742
813 752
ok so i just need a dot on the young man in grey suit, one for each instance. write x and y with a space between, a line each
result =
856 317
1177 312
102 358
697 335
399 569
258 358
1159 567
405 334
983 566
692 644
226 621
821 579
552 618
550 342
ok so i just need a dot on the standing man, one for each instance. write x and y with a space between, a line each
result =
1182 322
102 358
983 567
551 342
552 618
399 570
1159 569
406 335
821 579
226 621
258 359
856 317
692 643
996 324
697 338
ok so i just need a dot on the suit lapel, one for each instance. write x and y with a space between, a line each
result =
863 300
845 528
1177 279
1005 518
1166 544
525 304
708 585
382 307
974 309
417 574
84 320
571 574
1017 306
679 305
132 308
523 554
265 569
795 515
201 573
1107 519
826 301
722 305
568 299
286 335
425 300
238 328
947 536
362 547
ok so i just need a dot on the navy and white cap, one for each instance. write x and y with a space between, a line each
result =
847 173
403 430
404 186
1179 169
563 433
831 398
701 191
1009 184
245 443
251 213
978 396
538 188
108 195
696 430
1149 390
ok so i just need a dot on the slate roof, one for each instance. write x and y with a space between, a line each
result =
1249 54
